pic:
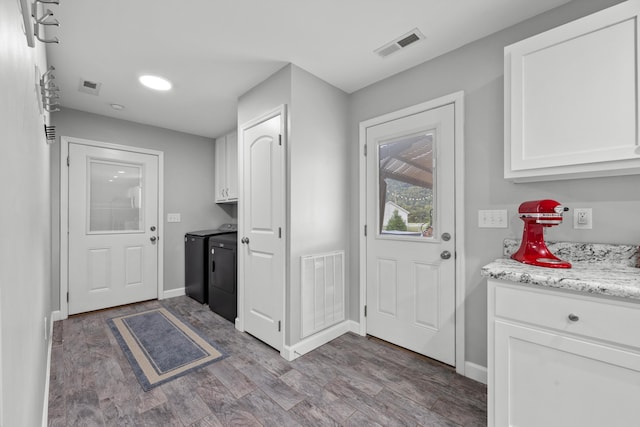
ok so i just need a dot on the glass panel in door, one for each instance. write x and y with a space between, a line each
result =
406 185
115 197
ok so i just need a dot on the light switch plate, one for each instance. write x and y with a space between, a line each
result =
173 217
496 218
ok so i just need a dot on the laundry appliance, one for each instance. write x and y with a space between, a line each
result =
196 260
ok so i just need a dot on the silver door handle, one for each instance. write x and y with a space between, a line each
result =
153 239
445 255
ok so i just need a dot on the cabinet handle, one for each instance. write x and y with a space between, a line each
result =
573 317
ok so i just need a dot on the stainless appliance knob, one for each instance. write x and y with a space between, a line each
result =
445 255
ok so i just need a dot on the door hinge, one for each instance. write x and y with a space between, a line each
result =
365 230
279 326
68 161
365 311
67 296
279 232
279 139
365 150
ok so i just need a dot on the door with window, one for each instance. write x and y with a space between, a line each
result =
113 227
410 207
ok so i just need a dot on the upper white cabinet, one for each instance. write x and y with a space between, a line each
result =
227 168
571 99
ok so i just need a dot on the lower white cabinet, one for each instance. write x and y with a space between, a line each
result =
227 168
561 359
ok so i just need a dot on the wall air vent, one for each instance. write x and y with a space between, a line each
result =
400 43
87 86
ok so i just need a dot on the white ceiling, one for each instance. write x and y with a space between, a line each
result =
214 51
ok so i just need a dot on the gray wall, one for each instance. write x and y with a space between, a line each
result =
188 181
317 169
25 228
477 69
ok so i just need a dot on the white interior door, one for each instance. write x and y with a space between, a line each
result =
411 232
113 227
262 227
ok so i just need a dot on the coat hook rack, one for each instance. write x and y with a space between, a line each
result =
33 22
49 91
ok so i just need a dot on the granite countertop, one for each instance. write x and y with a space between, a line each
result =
611 275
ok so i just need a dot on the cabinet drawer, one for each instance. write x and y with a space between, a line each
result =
597 318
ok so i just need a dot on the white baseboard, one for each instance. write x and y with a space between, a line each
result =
45 401
56 315
475 372
172 293
310 343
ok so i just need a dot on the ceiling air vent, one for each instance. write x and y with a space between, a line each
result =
87 86
400 43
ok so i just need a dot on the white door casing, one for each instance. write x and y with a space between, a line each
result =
412 296
111 256
262 226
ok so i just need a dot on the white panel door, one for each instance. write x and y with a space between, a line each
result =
263 221
411 233
113 220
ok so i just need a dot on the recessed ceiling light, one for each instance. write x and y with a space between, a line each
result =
155 82
117 107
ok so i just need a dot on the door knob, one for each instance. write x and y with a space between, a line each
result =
446 237
245 240
445 255
153 228
153 239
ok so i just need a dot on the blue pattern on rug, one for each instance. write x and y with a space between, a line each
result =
165 346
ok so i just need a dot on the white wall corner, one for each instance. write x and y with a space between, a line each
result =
172 293
475 372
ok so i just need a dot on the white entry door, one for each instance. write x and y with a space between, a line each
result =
410 241
262 227
113 227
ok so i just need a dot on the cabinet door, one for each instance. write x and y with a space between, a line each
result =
232 166
221 170
570 99
546 379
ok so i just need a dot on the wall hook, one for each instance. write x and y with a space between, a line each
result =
36 32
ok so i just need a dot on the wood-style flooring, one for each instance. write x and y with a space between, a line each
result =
351 381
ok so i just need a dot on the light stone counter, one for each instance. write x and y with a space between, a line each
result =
610 270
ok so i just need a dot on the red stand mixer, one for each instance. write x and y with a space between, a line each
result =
537 214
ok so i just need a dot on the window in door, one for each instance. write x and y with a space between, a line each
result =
406 183
115 197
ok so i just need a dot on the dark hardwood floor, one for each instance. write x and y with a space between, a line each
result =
351 381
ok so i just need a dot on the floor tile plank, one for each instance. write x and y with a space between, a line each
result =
350 381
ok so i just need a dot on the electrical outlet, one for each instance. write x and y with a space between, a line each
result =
173 217
583 218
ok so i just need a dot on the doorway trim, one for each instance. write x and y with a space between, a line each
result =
64 212
457 100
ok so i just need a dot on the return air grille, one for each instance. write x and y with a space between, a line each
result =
87 86
400 43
